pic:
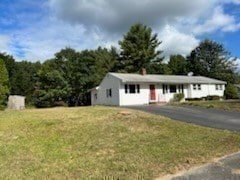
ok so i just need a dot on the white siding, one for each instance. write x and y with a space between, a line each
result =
213 91
120 98
109 82
94 97
144 96
206 90
168 96
134 99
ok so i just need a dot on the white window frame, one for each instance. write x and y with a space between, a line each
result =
127 88
220 87
194 86
199 87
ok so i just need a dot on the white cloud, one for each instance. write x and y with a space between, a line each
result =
4 43
85 24
231 1
45 38
178 22
238 63
175 42
117 16
218 21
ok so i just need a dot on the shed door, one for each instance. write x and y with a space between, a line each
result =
152 93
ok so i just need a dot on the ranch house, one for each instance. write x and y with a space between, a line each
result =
123 89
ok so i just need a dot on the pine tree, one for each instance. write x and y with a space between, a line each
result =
3 84
139 49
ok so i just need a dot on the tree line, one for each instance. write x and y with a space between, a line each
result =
66 78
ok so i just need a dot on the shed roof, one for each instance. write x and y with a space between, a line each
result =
154 78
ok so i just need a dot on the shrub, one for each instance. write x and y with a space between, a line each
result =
194 99
178 97
213 98
231 92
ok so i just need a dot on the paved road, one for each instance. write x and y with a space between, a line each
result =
197 115
225 168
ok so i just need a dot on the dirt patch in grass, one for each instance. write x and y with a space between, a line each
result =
103 142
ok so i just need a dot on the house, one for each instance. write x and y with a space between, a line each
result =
121 89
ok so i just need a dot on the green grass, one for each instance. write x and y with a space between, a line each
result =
224 105
98 142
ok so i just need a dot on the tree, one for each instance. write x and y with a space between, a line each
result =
77 69
177 65
139 49
10 66
51 87
231 92
74 73
105 61
3 84
212 60
23 79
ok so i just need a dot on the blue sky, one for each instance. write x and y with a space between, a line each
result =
36 30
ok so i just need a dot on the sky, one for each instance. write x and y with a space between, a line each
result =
36 30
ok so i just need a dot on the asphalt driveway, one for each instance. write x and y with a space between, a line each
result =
197 115
225 168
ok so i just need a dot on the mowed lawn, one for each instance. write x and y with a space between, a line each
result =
232 105
100 142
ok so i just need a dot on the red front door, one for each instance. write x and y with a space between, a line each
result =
152 93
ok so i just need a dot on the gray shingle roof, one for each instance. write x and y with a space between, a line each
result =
154 78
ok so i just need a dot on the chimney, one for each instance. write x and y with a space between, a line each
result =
190 74
143 71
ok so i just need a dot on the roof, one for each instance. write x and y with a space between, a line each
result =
154 78
237 85
93 89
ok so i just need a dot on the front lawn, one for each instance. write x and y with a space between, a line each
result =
100 142
232 105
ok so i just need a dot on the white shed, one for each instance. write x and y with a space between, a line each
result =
16 102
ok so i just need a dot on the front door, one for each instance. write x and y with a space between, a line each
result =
152 93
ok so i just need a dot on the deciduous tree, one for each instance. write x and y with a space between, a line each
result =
177 65
211 59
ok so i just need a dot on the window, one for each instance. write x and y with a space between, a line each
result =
199 87
108 93
173 88
165 88
194 87
180 88
220 87
95 96
138 88
126 88
132 88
